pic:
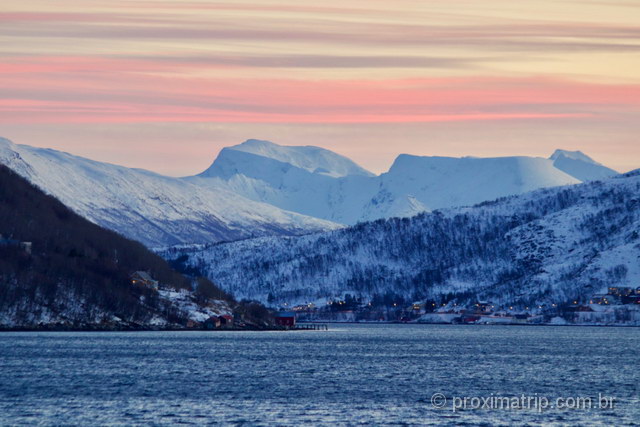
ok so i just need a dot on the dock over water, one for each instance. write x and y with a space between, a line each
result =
312 327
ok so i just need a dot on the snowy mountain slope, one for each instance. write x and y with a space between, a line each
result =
312 159
298 179
283 177
580 166
429 183
289 187
547 246
148 207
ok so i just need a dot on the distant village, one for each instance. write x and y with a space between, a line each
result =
616 306
619 305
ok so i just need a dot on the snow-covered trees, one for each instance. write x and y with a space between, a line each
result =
547 246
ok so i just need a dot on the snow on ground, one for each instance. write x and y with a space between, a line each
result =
310 181
548 246
185 301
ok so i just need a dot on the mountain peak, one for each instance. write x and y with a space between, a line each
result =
312 159
580 166
6 142
252 144
574 155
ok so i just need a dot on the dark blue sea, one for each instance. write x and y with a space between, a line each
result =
350 375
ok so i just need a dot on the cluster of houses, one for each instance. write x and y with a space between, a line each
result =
226 321
25 246
482 312
620 305
617 296
617 306
214 322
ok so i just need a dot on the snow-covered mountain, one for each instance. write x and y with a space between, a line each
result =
547 246
298 179
415 184
259 188
580 166
318 183
151 208
242 159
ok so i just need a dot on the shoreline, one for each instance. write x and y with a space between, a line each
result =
143 329
475 324
3 330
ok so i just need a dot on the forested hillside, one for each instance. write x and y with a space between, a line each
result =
74 271
548 246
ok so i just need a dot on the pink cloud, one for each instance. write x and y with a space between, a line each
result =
125 90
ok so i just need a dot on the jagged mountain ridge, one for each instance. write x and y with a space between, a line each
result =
259 188
260 171
547 246
148 207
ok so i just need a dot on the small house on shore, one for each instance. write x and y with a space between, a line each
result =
217 322
286 319
212 323
226 321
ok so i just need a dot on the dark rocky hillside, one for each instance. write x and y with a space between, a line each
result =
74 272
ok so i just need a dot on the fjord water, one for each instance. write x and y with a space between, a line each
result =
375 374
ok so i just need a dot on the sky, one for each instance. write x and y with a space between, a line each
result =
164 85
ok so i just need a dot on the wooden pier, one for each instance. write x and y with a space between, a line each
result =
312 327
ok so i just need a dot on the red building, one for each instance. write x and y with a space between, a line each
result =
286 319
226 320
